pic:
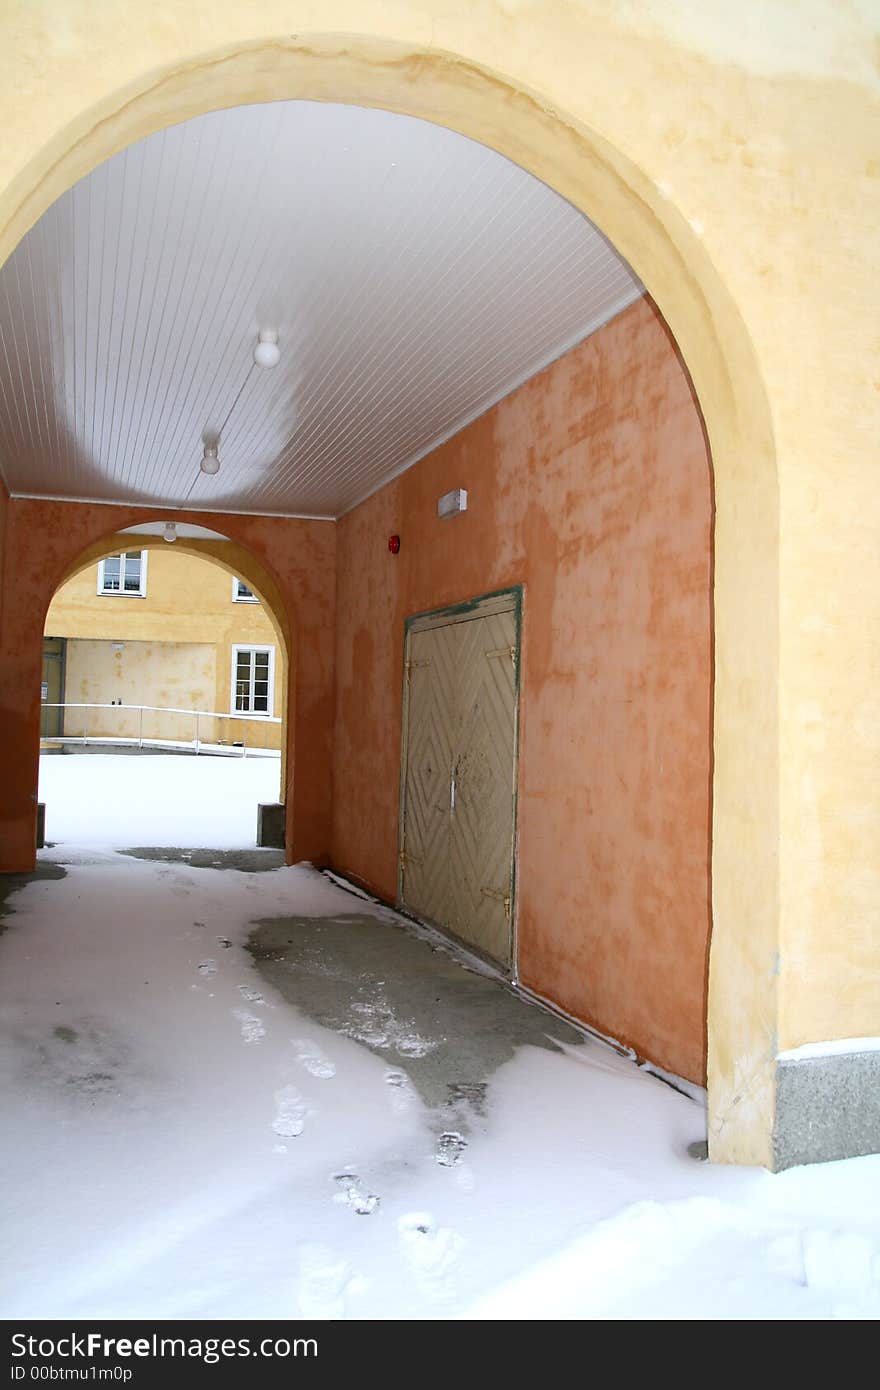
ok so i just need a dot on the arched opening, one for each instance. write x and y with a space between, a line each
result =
170 652
81 539
643 222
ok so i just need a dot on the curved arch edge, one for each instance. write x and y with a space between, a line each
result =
651 232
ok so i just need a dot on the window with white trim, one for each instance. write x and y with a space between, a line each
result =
124 574
253 676
241 593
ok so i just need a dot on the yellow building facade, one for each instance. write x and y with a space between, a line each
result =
731 155
157 645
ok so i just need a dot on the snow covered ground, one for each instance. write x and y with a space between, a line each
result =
180 1141
155 799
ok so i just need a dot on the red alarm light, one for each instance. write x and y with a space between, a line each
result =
394 544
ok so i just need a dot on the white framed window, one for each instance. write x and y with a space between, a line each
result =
241 593
124 574
253 680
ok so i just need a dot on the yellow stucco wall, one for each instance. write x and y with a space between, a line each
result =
731 153
177 647
167 675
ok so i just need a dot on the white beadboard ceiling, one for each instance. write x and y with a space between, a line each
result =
185 530
414 278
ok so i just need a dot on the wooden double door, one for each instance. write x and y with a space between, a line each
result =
458 783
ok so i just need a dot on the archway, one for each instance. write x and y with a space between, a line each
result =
82 540
647 228
226 555
176 666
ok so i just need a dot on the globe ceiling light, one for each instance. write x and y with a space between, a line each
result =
267 352
210 463
169 534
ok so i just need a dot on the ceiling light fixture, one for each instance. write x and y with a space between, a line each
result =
170 532
267 352
210 462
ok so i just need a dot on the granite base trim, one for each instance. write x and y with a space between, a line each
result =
270 824
826 1108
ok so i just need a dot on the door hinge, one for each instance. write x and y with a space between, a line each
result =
503 898
502 651
409 668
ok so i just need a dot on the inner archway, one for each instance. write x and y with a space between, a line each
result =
81 537
643 222
165 655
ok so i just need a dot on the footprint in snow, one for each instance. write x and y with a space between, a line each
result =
401 1091
207 967
352 1194
450 1147
431 1252
252 1028
315 1061
467 1095
253 996
290 1113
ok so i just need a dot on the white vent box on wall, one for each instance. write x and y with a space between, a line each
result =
451 503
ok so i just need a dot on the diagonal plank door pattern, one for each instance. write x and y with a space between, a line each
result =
460 779
429 757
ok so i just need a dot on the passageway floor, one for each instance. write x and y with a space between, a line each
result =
253 1094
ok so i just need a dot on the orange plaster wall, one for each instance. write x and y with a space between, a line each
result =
43 539
591 486
4 508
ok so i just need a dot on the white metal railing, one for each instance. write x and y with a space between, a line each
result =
91 733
